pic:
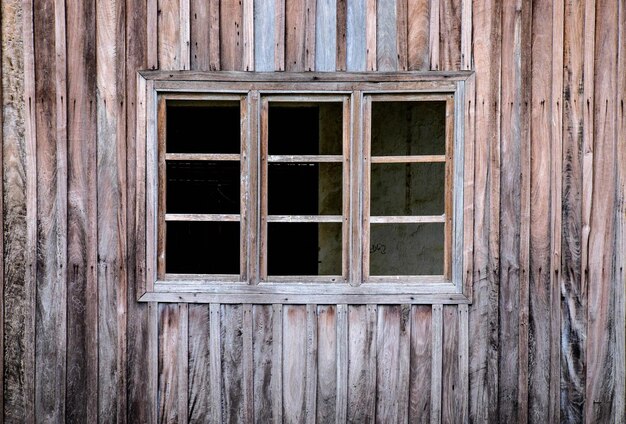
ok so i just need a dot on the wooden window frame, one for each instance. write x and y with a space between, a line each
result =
254 91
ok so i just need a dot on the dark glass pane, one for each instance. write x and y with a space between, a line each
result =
407 189
305 129
406 249
408 128
203 187
203 129
202 248
306 248
304 188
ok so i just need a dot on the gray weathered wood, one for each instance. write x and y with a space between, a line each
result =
264 26
361 363
437 364
386 36
232 383
326 35
294 363
199 363
326 395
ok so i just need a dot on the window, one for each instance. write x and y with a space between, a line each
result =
303 188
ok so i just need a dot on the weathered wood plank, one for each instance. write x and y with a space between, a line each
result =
463 382
299 47
182 363
437 364
169 384
326 36
248 35
215 363
355 35
199 364
310 401
466 34
82 305
247 364
484 311
232 363
342 25
540 230
386 35
111 198
450 388
370 34
264 26
387 363
200 33
279 35
404 364
214 35
50 324
264 346
326 363
418 38
20 212
599 264
342 363
169 34
231 35
421 360
361 363
434 34
402 31
450 34
277 364
510 219
294 363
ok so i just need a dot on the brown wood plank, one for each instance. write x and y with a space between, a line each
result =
540 231
484 311
294 363
247 364
199 363
342 363
466 34
361 363
111 221
386 35
370 35
602 285
326 363
169 34
295 35
200 34
510 219
215 363
20 212
387 363
402 31
450 387
342 14
418 38
82 314
231 35
214 35
232 363
450 34
264 347
50 324
421 354
169 340
434 37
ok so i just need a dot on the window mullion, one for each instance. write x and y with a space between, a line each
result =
356 256
250 231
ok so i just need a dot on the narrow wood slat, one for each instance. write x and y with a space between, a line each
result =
421 363
342 25
203 156
199 336
386 35
294 363
304 218
434 34
450 388
214 35
370 35
263 348
418 38
305 158
277 364
327 342
169 37
184 40
361 362
388 364
407 219
231 35
198 217
450 34
404 364
264 27
355 36
408 159
310 401
279 35
326 35
463 381
200 29
437 364
466 34
182 365
295 35
342 363
215 363
248 35
247 365
232 382
402 30
169 383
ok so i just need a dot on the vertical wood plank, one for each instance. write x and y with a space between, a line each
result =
361 363
326 363
310 400
418 38
50 324
437 364
342 363
184 41
170 34
355 35
264 27
450 388
386 35
463 383
402 30
279 35
342 28
232 363
484 311
277 364
370 34
421 363
299 34
231 35
264 346
82 305
510 219
199 364
182 363
248 35
111 198
247 365
20 210
387 363
326 36
434 32
450 35
169 383
466 34
404 364
294 363
214 35
599 265
215 363
200 32
152 25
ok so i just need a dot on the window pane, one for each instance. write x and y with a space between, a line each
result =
209 128
408 128
306 248
406 249
407 189
203 187
202 248
305 129
304 188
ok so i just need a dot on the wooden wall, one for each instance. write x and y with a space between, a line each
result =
544 338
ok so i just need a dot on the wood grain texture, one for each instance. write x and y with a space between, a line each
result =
199 363
264 26
355 35
326 36
169 340
601 380
264 346
50 112
418 38
294 363
111 198
200 34
342 25
421 362
169 34
232 383
19 214
450 387
231 35
386 35
362 363
326 363
82 305
437 364
450 34
299 35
